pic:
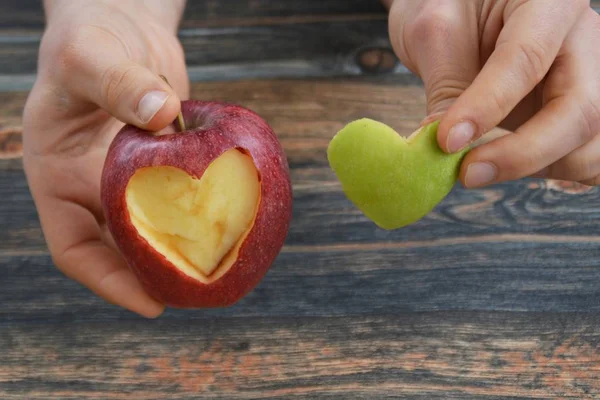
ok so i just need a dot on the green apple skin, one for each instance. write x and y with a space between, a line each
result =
394 181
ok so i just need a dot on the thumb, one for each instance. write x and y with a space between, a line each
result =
105 75
133 94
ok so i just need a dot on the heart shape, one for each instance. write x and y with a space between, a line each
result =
195 223
394 181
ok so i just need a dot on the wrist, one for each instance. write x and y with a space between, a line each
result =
167 13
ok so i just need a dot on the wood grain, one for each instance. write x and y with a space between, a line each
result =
481 300
28 14
508 247
237 39
497 275
494 295
19 14
230 40
278 49
403 356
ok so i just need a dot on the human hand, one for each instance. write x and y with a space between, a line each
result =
99 67
528 66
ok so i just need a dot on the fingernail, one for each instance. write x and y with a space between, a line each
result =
459 136
151 104
480 173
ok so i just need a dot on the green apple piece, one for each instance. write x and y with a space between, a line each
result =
394 181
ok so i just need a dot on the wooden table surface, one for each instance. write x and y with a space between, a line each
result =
494 295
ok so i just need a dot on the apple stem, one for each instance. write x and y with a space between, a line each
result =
180 115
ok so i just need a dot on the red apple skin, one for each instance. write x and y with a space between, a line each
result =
213 128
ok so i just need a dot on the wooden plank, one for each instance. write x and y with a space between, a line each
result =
348 311
306 114
498 274
20 14
334 44
404 356
242 12
251 40
326 48
508 247
12 109
28 14
524 211
228 40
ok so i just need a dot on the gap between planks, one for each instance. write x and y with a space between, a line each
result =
395 245
500 238
276 20
273 70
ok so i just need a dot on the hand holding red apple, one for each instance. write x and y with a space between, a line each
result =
205 240
96 69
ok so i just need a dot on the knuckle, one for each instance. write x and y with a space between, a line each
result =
117 81
498 99
523 163
441 89
532 60
66 54
432 24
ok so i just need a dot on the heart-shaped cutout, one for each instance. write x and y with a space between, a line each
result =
195 223
393 180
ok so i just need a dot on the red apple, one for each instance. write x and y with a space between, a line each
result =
199 215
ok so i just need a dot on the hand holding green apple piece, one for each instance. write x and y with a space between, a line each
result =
394 181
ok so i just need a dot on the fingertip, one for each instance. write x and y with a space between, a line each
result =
134 95
472 157
124 289
479 174
457 136
157 109
152 311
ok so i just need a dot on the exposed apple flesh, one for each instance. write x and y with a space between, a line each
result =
196 223
395 181
200 215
